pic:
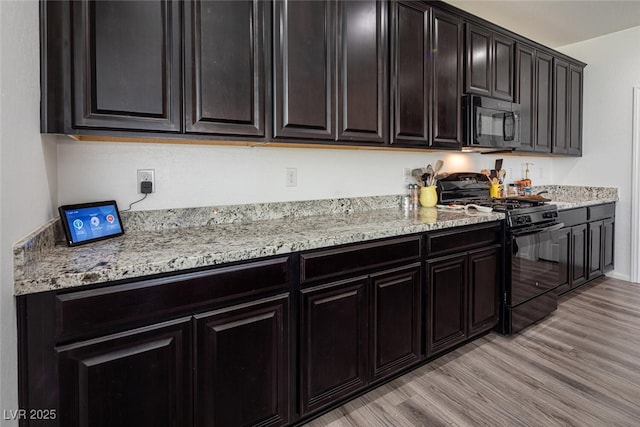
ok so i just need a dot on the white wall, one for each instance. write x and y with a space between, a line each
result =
613 70
193 175
28 168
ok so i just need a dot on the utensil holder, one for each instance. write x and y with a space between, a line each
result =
428 196
494 191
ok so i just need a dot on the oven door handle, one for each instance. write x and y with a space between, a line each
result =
554 227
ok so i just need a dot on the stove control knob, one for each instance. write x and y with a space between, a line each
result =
528 219
549 214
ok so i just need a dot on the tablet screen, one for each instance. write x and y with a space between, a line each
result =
89 222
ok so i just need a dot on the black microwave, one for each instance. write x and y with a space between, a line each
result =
490 123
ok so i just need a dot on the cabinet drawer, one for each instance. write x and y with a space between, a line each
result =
571 217
335 262
462 239
597 212
94 311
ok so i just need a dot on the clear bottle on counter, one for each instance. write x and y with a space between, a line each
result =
414 195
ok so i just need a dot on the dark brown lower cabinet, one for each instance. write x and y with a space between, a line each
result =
356 331
241 374
571 243
484 292
586 244
601 244
462 297
395 320
608 241
216 347
578 255
446 302
333 342
134 378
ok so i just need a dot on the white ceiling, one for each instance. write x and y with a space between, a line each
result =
556 23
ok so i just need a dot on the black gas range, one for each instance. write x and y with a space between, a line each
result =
532 259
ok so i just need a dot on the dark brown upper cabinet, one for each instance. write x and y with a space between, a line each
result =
330 79
567 108
304 94
544 102
410 73
489 63
526 95
575 110
447 40
534 92
225 66
560 106
426 76
362 71
342 72
125 65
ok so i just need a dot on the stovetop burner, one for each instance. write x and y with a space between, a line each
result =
467 188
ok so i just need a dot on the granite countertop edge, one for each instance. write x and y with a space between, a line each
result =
63 267
155 244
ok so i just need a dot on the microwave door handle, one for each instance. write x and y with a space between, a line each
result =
478 124
509 122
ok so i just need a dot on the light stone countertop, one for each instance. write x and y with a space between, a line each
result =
569 197
149 252
173 240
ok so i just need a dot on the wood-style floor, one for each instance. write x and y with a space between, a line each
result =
579 367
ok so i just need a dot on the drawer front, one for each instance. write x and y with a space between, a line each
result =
462 239
340 261
597 212
94 311
571 217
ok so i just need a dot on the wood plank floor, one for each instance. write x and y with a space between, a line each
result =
579 367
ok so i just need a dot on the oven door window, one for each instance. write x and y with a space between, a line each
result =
536 265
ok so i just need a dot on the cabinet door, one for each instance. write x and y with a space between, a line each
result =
561 242
224 92
484 290
526 95
304 56
595 255
446 303
478 64
502 85
579 247
242 364
333 342
560 106
544 102
608 244
362 71
126 65
410 57
135 378
575 110
446 51
395 320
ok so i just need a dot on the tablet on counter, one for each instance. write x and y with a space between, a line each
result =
89 222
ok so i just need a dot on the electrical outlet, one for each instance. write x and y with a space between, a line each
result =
406 175
291 177
147 175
